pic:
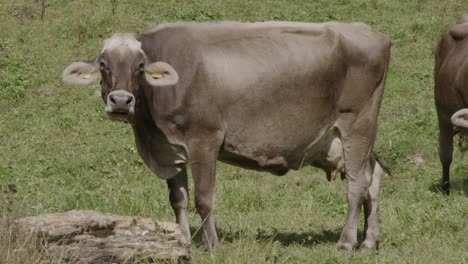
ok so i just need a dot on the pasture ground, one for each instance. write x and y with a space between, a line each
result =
60 151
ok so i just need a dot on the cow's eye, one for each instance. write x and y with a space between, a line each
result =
141 67
103 66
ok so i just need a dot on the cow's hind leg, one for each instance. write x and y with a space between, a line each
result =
358 135
357 152
178 196
356 193
358 108
371 206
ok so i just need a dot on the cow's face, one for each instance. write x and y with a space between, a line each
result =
122 66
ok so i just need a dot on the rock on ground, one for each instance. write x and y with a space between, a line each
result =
86 236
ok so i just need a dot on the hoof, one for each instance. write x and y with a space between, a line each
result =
446 187
447 191
369 245
345 246
206 247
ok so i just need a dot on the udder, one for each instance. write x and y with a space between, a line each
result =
328 155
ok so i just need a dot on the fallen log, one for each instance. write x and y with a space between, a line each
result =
86 236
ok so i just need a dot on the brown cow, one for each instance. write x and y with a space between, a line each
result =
269 96
451 90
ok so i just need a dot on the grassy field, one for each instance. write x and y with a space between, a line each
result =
62 153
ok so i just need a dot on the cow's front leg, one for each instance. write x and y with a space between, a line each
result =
371 207
445 151
178 196
203 155
205 197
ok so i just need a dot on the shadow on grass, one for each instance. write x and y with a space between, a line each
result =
285 238
458 185
304 239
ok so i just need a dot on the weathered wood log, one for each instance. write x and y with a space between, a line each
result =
86 236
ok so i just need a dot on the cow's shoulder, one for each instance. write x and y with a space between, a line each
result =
164 34
167 26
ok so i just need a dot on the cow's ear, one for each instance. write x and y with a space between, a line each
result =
458 118
81 73
161 74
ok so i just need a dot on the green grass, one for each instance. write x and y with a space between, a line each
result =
62 153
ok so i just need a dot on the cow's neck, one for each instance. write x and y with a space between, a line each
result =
163 158
148 113
143 120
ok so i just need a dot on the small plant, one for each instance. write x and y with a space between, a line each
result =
78 22
114 6
42 9
14 86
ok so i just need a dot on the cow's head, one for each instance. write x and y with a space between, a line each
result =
122 66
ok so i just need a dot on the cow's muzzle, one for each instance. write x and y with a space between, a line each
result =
120 105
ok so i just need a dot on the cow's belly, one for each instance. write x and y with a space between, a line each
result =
324 151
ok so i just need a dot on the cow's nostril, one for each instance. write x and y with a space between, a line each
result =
129 100
112 99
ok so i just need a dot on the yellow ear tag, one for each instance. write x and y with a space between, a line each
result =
85 75
157 75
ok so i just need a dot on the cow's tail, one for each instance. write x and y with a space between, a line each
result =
385 168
